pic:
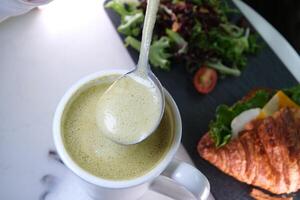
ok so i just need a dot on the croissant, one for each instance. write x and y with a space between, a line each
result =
266 154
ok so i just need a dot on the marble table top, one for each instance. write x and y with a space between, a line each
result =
42 54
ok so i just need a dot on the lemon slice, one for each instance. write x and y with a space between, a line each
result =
279 100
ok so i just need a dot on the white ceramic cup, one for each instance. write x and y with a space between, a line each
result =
98 188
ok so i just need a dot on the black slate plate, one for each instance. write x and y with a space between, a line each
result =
263 70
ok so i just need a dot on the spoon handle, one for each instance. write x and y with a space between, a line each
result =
151 11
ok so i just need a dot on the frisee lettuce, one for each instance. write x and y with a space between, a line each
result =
132 18
158 55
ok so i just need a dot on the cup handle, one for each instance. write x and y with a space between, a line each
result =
187 176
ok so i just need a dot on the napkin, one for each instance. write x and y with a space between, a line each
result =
9 8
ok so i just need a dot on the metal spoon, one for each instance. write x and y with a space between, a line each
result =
143 71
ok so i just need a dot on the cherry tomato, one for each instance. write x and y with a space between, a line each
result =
205 80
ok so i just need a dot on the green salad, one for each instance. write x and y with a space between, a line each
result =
200 33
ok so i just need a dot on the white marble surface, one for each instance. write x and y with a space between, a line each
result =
41 54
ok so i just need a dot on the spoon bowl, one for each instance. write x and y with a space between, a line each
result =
131 109
151 78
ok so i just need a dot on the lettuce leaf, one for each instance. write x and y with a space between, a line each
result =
293 93
220 129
